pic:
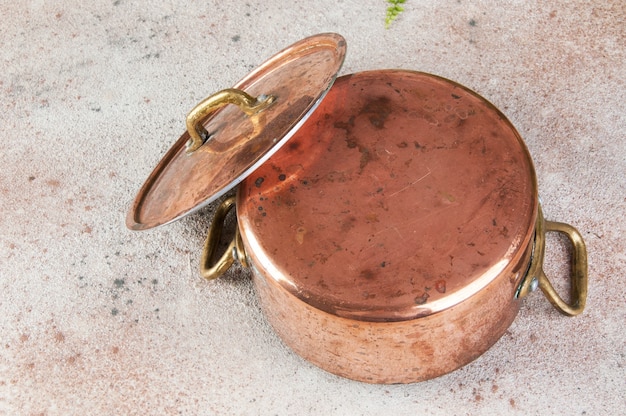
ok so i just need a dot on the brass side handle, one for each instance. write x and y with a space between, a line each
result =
247 103
536 277
235 250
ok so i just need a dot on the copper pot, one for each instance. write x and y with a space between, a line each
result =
392 236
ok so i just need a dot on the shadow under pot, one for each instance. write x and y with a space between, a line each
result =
393 234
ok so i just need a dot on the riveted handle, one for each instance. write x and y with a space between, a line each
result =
536 277
247 103
235 250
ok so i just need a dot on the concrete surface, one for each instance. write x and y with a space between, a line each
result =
95 319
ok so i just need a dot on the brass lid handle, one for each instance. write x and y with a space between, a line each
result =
537 278
247 103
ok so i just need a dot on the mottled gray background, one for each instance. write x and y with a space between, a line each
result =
95 319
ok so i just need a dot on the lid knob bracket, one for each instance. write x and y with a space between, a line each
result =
247 103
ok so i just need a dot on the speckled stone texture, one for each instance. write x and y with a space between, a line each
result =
96 319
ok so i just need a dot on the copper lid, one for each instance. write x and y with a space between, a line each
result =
286 89
403 195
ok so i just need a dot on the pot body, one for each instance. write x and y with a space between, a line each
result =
389 236
392 352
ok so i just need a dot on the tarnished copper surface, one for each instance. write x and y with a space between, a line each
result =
297 78
404 195
394 352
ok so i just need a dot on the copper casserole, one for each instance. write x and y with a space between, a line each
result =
390 218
